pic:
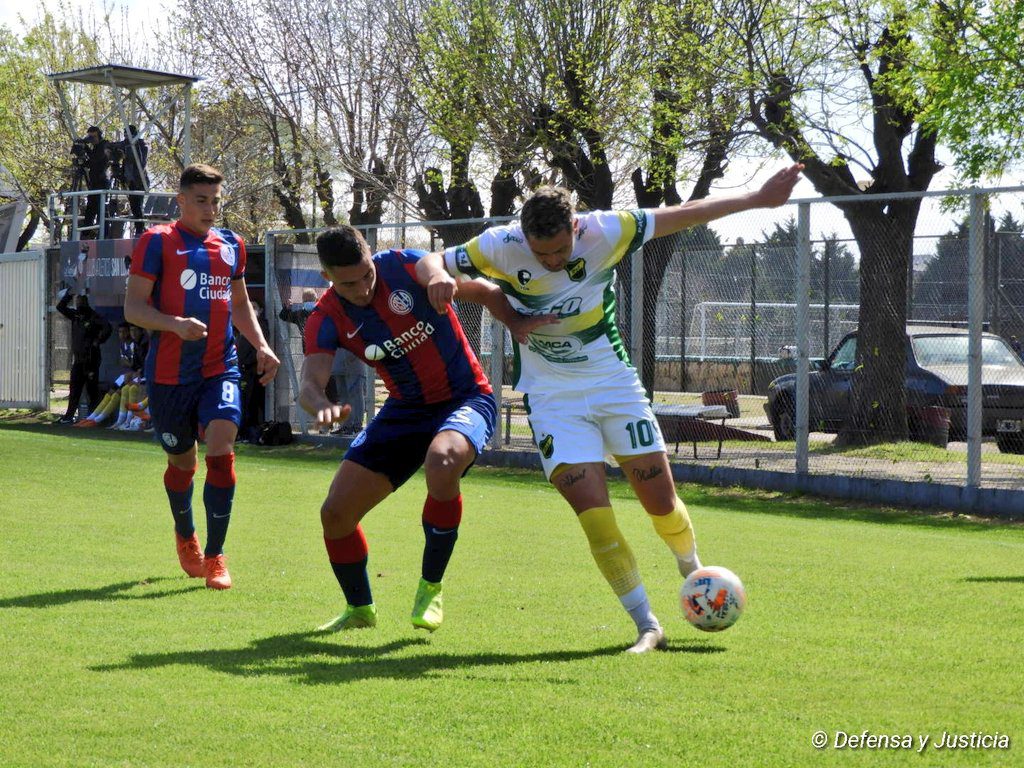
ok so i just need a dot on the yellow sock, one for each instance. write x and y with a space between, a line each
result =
611 552
110 405
102 406
676 530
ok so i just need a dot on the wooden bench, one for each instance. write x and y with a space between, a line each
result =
699 423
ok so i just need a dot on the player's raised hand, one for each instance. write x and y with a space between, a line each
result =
190 329
779 187
266 364
523 325
440 291
333 414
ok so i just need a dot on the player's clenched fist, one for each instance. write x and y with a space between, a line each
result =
190 329
334 414
266 364
440 291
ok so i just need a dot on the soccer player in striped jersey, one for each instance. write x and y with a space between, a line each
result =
187 284
583 397
439 413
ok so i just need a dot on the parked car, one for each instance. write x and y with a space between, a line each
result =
936 375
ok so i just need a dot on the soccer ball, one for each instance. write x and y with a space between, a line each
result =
712 598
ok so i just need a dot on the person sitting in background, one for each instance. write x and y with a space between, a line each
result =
126 402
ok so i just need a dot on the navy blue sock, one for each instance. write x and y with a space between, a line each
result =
349 556
441 529
178 484
218 495
437 550
354 581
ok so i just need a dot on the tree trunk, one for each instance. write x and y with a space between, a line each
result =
878 403
29 231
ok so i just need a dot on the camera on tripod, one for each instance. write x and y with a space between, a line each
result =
80 152
118 153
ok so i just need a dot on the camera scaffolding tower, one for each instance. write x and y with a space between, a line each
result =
126 83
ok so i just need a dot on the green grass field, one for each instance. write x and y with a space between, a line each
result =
858 619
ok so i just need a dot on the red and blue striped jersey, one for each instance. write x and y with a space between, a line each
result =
192 277
423 357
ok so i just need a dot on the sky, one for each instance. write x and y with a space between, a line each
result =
742 175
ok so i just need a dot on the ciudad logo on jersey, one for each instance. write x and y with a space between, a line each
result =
400 346
211 287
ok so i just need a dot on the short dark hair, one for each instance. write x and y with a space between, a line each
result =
341 246
94 129
199 173
548 212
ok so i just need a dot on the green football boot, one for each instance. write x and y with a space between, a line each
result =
354 617
428 608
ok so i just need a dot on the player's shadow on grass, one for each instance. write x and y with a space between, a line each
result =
118 591
316 659
995 579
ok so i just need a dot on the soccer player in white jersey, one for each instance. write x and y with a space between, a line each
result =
583 396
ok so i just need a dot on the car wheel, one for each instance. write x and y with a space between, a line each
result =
1011 443
784 421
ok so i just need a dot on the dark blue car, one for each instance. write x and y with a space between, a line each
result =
936 375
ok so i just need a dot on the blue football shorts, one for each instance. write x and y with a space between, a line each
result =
395 442
179 410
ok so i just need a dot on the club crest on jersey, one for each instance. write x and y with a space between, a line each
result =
227 254
524 277
400 302
547 446
577 270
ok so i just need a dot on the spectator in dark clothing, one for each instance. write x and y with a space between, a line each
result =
135 177
97 175
253 393
88 332
299 313
140 348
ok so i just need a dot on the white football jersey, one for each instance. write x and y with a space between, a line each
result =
584 347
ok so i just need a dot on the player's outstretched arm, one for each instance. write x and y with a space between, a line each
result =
138 311
773 193
244 318
316 372
441 287
489 295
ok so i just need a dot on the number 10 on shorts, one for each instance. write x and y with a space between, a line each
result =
641 433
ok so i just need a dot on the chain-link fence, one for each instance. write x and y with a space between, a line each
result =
295 283
871 296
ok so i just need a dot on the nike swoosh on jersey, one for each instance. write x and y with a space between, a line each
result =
352 335
182 253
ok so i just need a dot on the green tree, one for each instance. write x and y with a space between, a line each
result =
34 144
971 68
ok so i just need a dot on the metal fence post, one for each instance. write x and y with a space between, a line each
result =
497 375
975 313
271 308
803 342
636 313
